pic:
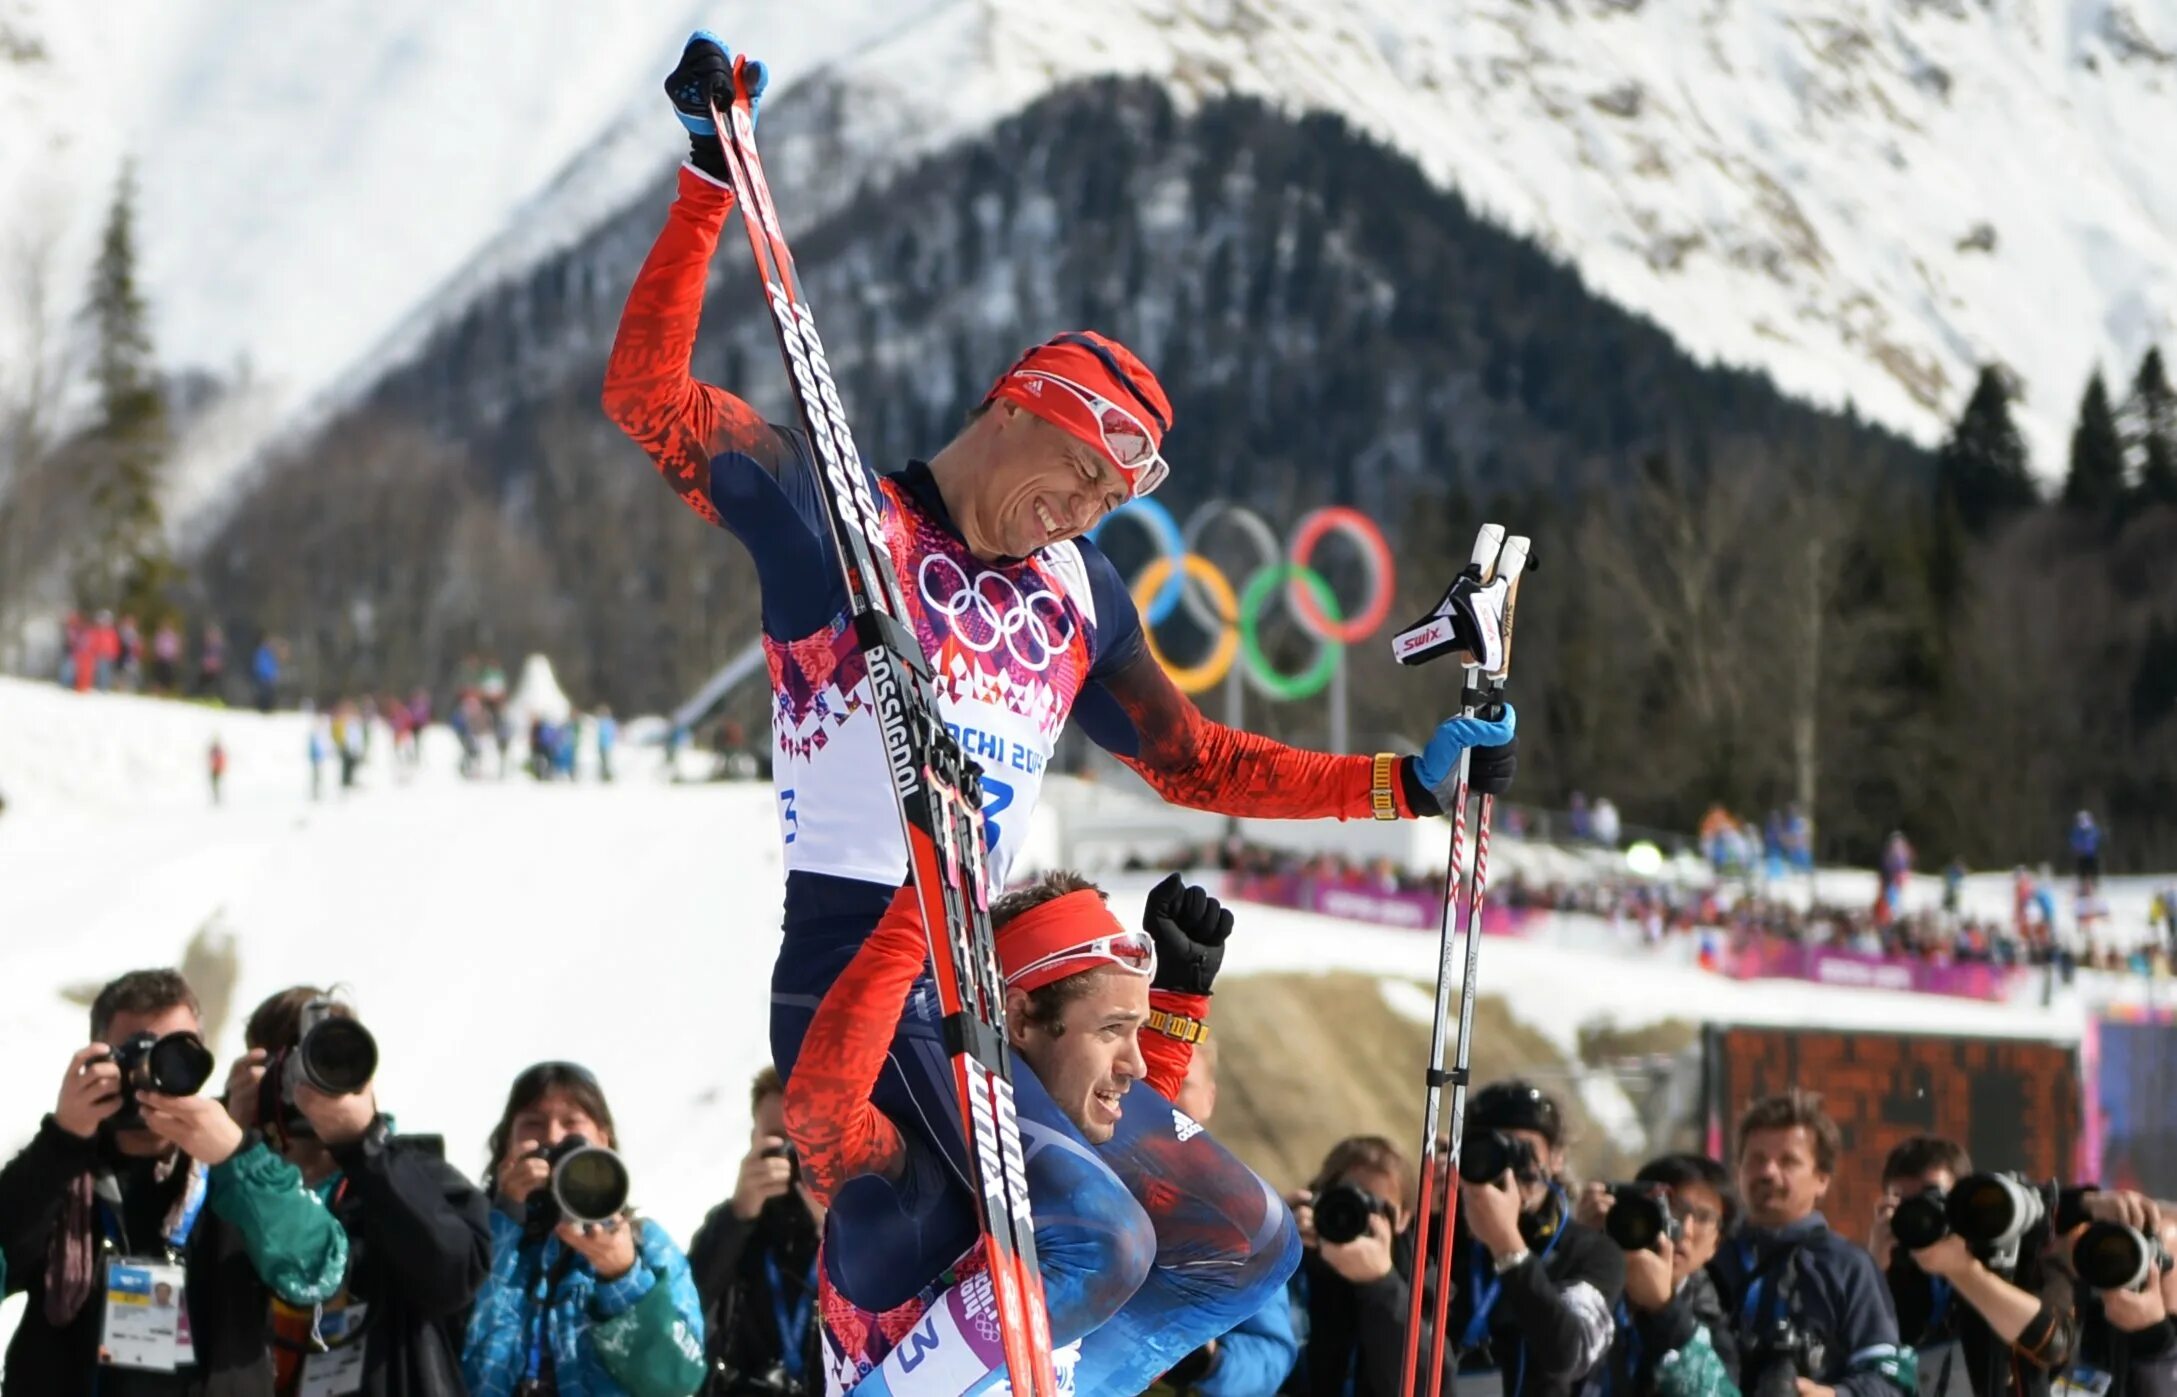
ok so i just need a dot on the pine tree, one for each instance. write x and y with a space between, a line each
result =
2095 482
2150 436
1981 471
131 571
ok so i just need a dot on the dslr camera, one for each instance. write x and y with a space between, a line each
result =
589 1183
1992 1212
2112 1256
1488 1153
1777 1356
1640 1213
335 1054
176 1065
1342 1212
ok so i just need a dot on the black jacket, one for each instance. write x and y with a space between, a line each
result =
1533 1327
1949 1333
419 1236
2141 1364
228 1305
740 1318
1826 1288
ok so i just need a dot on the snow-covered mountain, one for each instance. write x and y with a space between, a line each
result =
1864 197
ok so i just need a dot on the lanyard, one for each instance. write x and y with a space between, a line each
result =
794 1328
1488 1285
183 1218
1940 1309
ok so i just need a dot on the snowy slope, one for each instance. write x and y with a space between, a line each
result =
1784 184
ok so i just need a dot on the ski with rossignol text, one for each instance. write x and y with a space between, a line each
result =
937 787
1473 622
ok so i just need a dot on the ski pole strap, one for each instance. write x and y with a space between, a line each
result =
1457 1076
1185 1029
1383 789
966 1032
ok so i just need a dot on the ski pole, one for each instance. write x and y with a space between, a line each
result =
1510 564
1480 566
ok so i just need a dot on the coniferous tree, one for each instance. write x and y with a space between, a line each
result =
131 569
2150 420
1981 470
2095 482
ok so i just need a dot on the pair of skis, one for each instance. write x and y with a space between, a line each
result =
1473 622
937 788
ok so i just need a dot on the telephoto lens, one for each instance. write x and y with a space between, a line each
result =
1342 1212
1639 1214
1993 1210
1921 1220
1488 1153
589 1182
176 1065
337 1055
2111 1256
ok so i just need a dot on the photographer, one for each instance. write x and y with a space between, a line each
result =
419 1233
1811 1309
1534 1290
1985 1321
591 1307
2127 1320
135 1183
1673 1338
754 1261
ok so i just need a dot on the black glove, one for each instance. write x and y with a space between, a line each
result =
705 76
1190 928
1490 770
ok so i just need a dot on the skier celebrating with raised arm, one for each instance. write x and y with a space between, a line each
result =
1025 622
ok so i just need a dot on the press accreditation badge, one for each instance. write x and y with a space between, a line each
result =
146 1324
338 1372
2078 1380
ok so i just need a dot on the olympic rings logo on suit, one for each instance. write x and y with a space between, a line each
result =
959 598
1179 576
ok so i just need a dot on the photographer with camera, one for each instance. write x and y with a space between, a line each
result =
2121 1246
584 1298
1965 1257
1673 1338
137 1189
419 1233
1356 1264
754 1261
1812 1311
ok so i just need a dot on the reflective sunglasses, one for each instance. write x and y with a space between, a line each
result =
1126 441
1132 951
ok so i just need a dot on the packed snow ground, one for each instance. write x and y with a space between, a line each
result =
1867 200
482 926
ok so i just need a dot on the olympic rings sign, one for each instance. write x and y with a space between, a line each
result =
1179 576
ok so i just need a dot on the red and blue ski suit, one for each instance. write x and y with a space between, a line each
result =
1017 647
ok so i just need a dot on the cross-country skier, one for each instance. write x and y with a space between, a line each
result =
1080 993
1024 621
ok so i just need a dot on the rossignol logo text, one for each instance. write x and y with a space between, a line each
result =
899 747
827 418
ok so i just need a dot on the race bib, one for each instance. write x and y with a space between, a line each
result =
147 1321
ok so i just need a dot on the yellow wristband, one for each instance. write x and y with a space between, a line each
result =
1383 790
1178 1026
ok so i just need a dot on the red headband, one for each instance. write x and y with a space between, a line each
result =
1098 363
1041 936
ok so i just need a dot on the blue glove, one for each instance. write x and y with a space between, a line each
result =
705 75
1496 756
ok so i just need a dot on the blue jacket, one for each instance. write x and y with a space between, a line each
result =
638 1336
1835 1293
1256 1355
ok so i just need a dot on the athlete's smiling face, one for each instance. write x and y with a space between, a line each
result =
1091 1055
1039 484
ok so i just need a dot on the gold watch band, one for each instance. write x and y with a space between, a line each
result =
1383 790
1178 1026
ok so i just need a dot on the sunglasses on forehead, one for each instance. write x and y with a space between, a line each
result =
1126 441
1132 951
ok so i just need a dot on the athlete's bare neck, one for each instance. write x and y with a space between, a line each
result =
965 460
